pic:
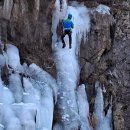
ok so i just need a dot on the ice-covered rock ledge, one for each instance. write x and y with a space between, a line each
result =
29 96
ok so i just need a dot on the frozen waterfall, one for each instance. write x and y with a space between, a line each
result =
72 99
28 101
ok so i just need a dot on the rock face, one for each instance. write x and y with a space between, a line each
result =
104 57
26 24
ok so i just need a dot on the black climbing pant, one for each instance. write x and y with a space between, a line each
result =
67 32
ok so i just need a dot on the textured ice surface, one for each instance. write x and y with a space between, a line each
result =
67 62
28 99
103 122
13 56
103 9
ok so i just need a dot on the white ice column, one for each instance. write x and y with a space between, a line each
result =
83 106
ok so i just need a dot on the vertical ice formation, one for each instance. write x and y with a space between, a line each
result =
47 88
26 114
6 95
58 14
12 56
103 122
29 97
41 77
15 86
67 63
81 21
30 102
83 108
12 123
99 103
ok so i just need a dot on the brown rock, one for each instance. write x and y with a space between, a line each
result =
28 28
108 49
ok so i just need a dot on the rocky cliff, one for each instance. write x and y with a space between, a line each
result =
25 23
104 56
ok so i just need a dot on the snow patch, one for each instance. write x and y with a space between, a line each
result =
13 56
103 9
32 96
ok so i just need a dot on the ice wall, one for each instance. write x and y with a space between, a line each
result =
31 94
28 98
67 61
83 107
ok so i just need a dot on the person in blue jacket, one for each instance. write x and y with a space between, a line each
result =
68 26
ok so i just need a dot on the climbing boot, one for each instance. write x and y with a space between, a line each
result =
70 46
63 45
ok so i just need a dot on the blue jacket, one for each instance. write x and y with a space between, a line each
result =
68 24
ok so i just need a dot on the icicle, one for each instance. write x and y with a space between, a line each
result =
99 103
47 88
68 74
13 56
108 119
83 108
15 86
40 77
31 95
103 122
8 4
109 112
47 107
26 114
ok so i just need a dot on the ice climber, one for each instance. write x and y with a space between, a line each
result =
67 30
